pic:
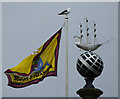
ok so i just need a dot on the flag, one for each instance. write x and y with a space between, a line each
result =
40 64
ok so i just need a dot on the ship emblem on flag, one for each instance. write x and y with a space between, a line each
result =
40 64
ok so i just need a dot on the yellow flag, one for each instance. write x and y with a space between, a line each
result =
40 64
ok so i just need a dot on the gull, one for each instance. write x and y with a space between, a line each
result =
65 12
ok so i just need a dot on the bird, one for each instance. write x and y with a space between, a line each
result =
65 12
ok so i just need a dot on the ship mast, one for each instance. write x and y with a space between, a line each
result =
94 32
87 29
81 33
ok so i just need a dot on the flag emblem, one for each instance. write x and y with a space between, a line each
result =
40 64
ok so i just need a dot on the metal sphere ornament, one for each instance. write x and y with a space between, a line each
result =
89 64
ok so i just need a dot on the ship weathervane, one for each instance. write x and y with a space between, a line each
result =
87 46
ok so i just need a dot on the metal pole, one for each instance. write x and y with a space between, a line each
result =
66 53
66 12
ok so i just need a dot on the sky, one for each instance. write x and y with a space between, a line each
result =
26 26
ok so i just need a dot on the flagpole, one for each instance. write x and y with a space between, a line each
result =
66 53
66 12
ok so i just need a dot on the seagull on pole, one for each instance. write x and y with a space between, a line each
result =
65 12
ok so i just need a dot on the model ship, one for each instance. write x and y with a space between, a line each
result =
87 46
